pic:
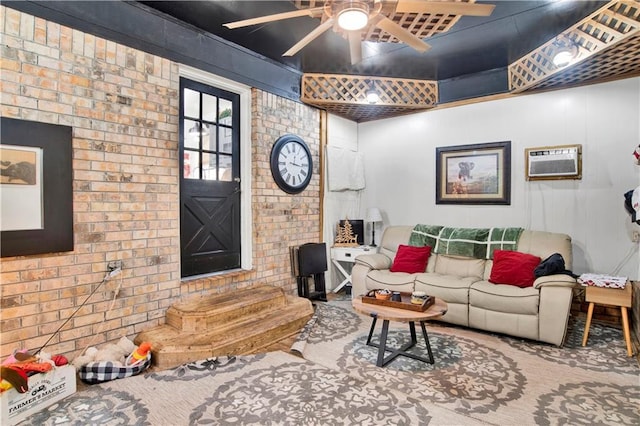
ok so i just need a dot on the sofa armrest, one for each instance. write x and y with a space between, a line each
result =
373 261
556 280
362 266
554 310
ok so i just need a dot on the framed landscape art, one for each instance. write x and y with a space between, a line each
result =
36 200
474 174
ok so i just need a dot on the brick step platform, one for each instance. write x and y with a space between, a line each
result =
234 323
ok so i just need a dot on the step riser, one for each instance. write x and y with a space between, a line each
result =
166 336
229 324
207 304
263 320
170 357
201 322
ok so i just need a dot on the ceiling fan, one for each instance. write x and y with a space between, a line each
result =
351 18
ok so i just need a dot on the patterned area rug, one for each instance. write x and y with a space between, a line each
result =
478 378
487 378
267 389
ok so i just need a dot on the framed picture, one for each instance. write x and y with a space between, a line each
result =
474 174
36 194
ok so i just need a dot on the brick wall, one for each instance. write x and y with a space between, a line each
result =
291 219
123 106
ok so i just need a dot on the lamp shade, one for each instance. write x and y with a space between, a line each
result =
373 215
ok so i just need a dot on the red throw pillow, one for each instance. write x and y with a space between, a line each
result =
411 259
513 268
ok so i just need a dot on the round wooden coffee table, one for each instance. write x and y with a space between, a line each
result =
386 314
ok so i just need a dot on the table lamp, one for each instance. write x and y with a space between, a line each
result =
373 216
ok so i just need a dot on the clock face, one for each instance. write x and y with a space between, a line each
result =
291 164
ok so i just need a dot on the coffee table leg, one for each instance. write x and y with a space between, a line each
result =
383 344
373 326
402 351
412 330
426 340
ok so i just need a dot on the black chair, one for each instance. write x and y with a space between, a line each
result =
310 261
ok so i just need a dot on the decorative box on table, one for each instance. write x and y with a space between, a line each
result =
599 280
44 390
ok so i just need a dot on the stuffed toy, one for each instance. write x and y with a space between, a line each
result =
16 369
116 353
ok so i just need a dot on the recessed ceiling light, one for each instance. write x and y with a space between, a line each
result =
564 56
373 96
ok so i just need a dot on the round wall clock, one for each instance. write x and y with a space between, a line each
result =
291 164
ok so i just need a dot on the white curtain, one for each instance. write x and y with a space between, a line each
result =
345 169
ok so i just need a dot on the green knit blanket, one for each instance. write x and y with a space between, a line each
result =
470 242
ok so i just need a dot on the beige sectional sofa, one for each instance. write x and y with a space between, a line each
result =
540 312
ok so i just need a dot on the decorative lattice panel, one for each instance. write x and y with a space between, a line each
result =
420 24
345 95
362 113
607 43
619 61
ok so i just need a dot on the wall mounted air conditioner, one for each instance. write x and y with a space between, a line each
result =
554 162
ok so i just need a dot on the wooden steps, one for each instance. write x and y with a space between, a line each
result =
234 323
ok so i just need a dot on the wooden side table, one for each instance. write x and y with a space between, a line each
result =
613 297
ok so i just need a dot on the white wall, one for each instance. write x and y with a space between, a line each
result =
400 168
339 205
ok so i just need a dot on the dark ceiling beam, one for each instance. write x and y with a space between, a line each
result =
485 83
143 28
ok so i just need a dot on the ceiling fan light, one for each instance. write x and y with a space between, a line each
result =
354 16
372 96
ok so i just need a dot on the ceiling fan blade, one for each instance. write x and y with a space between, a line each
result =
355 47
444 8
277 17
401 34
309 37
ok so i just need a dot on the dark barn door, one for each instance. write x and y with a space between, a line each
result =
210 179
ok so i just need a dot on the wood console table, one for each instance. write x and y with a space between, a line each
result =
612 297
